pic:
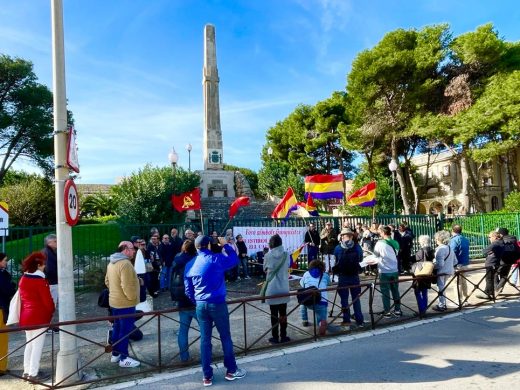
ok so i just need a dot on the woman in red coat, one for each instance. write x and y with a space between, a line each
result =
37 308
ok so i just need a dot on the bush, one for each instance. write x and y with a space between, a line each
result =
512 202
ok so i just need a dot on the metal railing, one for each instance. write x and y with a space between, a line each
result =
251 326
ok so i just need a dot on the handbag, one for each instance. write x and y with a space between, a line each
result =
149 266
309 296
103 299
14 309
423 268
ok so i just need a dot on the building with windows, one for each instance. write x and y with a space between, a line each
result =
440 179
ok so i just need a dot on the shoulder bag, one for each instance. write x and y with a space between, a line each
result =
14 309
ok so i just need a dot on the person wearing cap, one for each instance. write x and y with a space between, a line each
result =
123 286
205 286
348 255
329 240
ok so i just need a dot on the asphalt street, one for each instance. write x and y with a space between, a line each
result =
477 349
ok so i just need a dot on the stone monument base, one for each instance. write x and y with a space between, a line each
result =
217 184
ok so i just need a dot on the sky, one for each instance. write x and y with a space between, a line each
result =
134 67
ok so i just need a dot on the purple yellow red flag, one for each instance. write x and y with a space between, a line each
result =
364 197
283 209
324 186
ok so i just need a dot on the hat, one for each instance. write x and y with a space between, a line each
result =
502 231
202 242
345 231
134 239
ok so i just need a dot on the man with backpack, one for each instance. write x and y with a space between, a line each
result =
348 255
510 255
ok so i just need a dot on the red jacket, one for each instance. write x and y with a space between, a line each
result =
37 304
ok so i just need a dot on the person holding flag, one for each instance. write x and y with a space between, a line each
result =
312 240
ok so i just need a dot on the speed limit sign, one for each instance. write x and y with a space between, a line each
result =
71 203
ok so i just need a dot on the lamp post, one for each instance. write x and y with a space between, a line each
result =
173 157
393 167
189 148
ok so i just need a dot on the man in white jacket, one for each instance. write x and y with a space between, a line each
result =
386 251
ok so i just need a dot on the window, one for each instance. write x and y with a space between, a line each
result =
494 203
446 170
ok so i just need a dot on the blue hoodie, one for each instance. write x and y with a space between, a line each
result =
204 275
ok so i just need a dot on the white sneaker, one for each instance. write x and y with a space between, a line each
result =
114 359
129 363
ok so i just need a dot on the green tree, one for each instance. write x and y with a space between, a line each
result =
25 116
98 205
31 201
145 196
276 177
512 202
387 86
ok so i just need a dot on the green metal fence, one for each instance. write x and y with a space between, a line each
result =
93 244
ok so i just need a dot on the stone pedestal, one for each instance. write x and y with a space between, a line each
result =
217 184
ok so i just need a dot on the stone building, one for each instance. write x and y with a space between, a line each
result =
440 177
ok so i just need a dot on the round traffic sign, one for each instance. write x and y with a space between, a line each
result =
71 202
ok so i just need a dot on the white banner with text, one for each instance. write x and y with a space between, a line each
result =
257 238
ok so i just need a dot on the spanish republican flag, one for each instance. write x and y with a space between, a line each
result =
295 255
187 201
364 197
324 186
284 207
311 207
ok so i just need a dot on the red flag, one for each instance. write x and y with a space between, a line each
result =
239 202
187 201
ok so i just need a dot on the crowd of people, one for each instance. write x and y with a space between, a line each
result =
194 270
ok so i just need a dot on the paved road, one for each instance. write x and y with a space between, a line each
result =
477 349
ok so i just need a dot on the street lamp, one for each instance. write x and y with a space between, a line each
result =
189 148
173 157
393 167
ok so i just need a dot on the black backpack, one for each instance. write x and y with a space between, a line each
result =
511 250
177 285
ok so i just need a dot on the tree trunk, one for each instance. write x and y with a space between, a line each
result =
465 186
400 179
479 203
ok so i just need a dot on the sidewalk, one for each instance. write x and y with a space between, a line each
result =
477 349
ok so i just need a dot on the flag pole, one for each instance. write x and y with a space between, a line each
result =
224 230
201 222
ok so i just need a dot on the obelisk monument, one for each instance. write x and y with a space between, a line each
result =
215 182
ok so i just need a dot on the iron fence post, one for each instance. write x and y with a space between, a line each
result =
370 305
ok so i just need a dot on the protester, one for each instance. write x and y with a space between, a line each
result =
386 251
317 277
445 262
406 246
51 265
123 285
232 273
189 235
348 255
166 254
205 286
493 253
185 305
312 239
242 256
37 307
460 246
176 241
510 256
329 240
7 290
276 264
154 258
422 284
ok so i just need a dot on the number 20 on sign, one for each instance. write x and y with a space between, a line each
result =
71 203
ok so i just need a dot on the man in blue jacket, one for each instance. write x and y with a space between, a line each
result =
205 286
460 246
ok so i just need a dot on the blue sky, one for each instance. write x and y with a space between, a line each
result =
134 67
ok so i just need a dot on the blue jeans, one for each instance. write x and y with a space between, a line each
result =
243 264
312 253
165 277
344 280
122 327
319 310
422 299
185 317
209 314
